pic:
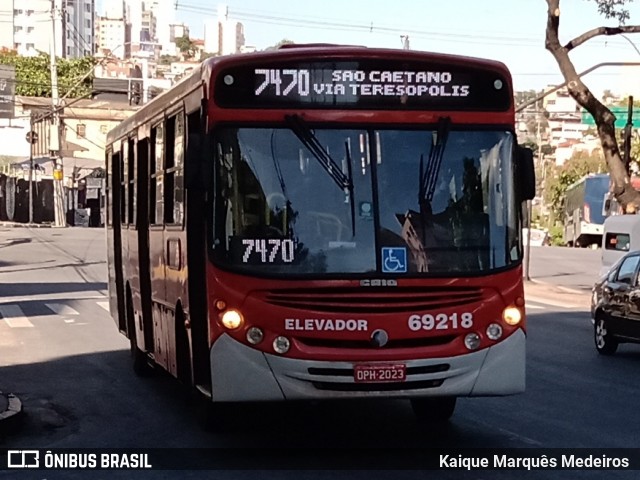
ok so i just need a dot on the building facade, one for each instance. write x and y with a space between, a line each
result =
113 38
26 27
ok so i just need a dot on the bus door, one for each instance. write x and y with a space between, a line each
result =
142 222
195 225
114 237
174 245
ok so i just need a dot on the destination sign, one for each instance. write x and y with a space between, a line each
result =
364 84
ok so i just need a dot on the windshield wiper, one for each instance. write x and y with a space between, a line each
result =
428 178
309 140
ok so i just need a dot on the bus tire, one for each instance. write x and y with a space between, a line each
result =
139 359
433 409
214 417
606 344
183 349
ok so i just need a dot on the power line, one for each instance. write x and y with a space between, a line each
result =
387 29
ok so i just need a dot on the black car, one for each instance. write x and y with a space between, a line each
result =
615 305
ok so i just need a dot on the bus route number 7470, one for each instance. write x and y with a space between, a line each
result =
267 250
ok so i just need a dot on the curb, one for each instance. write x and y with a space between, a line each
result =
24 225
9 419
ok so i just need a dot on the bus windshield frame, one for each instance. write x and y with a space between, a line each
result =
419 203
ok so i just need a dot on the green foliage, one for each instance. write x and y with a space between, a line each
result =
614 9
284 41
205 55
33 74
559 179
167 59
556 235
186 45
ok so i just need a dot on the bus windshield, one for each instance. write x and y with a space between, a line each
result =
413 202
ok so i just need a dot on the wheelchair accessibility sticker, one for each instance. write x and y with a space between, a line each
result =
394 260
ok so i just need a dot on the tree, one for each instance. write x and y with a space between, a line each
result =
167 59
579 165
284 41
625 194
33 75
186 46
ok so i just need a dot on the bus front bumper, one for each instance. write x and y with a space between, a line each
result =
242 374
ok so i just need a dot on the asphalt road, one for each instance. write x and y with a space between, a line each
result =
62 355
575 268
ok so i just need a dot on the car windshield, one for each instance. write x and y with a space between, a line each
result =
297 201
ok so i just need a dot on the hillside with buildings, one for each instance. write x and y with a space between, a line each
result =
138 50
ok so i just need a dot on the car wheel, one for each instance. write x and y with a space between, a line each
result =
433 409
605 343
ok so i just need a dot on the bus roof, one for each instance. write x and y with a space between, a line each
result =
201 75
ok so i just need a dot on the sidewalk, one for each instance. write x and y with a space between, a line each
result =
10 412
536 290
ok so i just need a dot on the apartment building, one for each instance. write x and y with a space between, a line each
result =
26 27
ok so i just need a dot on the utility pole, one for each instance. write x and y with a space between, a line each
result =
55 141
30 139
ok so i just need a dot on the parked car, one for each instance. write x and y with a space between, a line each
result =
615 305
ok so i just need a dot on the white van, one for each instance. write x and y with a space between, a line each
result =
621 235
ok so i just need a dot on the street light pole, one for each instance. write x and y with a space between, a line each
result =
56 131
30 168
528 103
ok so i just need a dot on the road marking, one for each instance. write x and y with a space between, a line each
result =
104 305
61 309
534 307
60 297
14 316
544 301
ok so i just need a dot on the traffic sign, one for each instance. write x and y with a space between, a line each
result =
621 114
32 137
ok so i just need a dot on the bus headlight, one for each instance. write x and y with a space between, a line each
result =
231 319
254 335
281 345
472 341
494 331
512 315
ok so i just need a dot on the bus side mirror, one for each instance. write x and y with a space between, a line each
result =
526 173
197 175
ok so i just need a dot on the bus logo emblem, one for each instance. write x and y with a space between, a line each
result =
379 338
394 260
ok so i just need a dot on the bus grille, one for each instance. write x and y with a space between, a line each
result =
377 387
419 342
384 300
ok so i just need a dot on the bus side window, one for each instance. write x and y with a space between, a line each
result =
109 188
174 152
131 185
124 161
155 185
178 154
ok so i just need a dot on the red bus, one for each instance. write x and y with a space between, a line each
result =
324 222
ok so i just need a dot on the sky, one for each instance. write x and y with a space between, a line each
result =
511 31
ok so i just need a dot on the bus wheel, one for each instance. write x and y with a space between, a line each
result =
433 409
140 361
214 417
605 343
183 350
